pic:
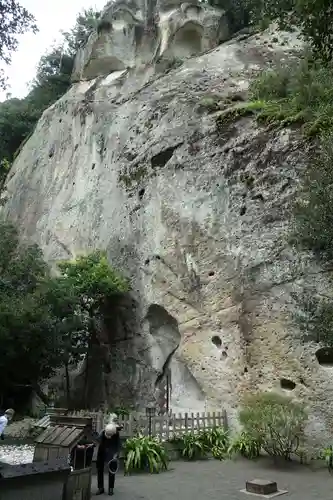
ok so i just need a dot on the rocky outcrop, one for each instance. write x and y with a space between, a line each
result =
195 213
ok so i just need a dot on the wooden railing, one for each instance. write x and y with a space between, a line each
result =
164 426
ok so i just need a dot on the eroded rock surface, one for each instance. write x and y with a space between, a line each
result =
197 215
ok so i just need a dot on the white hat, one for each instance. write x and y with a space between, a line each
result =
110 430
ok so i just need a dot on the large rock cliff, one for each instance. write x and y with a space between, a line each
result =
131 160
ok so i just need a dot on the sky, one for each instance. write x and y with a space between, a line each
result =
52 16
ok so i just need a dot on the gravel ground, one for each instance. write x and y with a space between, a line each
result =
16 454
214 480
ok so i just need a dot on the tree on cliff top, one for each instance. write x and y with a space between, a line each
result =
314 18
18 117
14 20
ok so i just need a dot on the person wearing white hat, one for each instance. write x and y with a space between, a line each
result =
108 452
7 417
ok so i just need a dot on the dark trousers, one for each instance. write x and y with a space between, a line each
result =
100 477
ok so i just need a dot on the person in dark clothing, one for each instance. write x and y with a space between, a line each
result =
109 448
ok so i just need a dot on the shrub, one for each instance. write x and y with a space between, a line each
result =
275 421
193 446
245 445
143 452
299 92
217 437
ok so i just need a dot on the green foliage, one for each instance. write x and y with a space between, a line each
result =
86 23
193 446
197 445
313 208
245 445
15 20
27 335
299 92
216 437
275 421
121 411
18 117
314 18
144 453
92 280
314 317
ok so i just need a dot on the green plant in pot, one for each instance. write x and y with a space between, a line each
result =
144 453
245 445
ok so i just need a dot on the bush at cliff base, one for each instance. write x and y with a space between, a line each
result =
275 421
143 453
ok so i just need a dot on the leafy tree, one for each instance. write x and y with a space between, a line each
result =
29 348
18 117
71 326
14 20
89 281
313 17
86 23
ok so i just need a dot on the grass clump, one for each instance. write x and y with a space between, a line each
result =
299 92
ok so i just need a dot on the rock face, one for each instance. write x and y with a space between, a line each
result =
196 214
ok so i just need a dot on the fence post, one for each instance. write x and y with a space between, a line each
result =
186 421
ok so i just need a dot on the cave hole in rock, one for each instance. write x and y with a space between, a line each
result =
162 158
325 356
242 210
141 193
246 370
224 355
93 166
217 341
187 41
211 273
287 385
166 337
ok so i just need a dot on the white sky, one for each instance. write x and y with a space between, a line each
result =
52 16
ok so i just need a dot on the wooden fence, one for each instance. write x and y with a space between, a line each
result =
163 427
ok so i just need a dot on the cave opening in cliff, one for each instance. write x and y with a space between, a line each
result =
187 41
325 356
165 336
287 385
217 341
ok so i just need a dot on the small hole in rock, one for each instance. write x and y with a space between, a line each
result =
93 166
60 120
157 257
141 193
242 210
203 368
224 354
75 147
147 262
217 341
211 273
325 356
287 384
246 369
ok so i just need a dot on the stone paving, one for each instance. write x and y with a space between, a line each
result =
214 480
